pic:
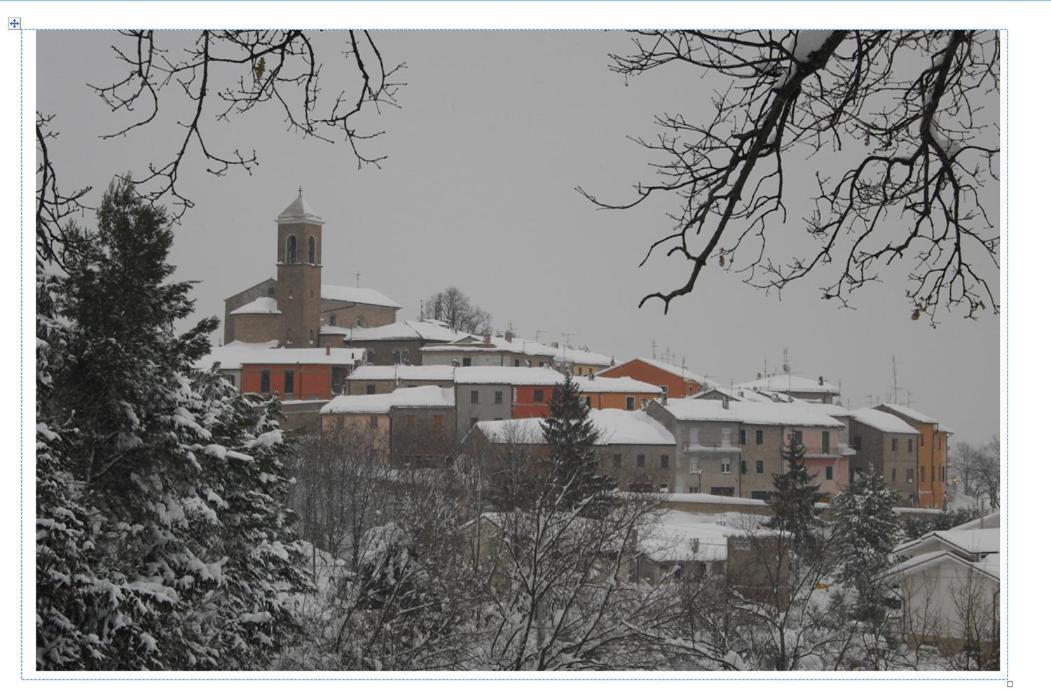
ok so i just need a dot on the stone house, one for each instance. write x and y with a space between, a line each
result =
890 446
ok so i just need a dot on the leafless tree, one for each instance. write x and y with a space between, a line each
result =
343 485
979 469
455 309
216 76
912 119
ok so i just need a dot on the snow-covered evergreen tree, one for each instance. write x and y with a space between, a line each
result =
162 540
794 499
865 529
575 478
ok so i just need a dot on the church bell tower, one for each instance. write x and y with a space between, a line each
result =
299 274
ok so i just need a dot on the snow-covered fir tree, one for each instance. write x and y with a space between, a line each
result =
865 529
162 538
794 498
571 436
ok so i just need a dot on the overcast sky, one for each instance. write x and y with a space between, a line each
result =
494 131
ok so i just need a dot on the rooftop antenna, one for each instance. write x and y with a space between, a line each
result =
421 310
785 366
565 341
894 373
357 279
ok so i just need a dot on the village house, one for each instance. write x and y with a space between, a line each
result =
930 457
488 350
675 381
298 374
889 446
293 307
734 448
580 361
632 448
371 380
798 387
397 343
415 426
948 586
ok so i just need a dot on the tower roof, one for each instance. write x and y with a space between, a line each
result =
299 212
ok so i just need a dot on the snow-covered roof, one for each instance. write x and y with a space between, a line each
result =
882 421
757 413
427 396
985 522
684 536
514 345
264 305
833 410
401 330
232 354
311 355
678 371
787 382
971 541
908 412
506 375
402 372
299 212
614 426
925 561
622 384
583 357
354 294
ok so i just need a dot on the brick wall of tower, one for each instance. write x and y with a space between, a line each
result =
299 285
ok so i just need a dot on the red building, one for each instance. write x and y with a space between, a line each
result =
676 381
299 374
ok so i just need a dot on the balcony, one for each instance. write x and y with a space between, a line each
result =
710 449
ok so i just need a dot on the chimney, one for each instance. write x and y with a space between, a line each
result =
821 380
488 337
328 350
591 375
758 376
726 402
695 545
664 395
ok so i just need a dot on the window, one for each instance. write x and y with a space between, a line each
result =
744 467
826 442
332 319
538 395
909 476
744 436
290 382
938 442
264 382
758 466
761 495
894 474
290 250
797 437
374 421
467 361
857 443
923 440
665 462
724 467
410 421
894 444
311 246
339 377
640 461
829 471
474 396
517 363
694 489
498 397
909 446
370 389
629 403
758 437
923 474
616 460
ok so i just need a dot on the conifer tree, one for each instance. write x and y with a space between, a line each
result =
795 498
574 476
866 530
162 539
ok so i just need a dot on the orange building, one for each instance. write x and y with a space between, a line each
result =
931 456
299 374
676 381
534 400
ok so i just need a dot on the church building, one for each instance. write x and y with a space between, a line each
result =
293 307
